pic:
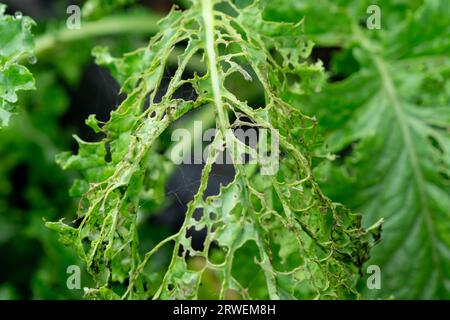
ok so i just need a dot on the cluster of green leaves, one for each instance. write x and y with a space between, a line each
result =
389 122
16 41
305 245
32 186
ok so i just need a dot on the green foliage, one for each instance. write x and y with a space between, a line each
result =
16 41
32 187
384 112
306 245
392 112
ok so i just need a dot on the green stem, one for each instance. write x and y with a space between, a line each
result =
114 25
142 23
208 19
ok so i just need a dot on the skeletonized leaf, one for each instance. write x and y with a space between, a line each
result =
307 245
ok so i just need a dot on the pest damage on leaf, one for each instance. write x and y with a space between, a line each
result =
225 149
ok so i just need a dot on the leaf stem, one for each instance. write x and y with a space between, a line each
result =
121 24
208 19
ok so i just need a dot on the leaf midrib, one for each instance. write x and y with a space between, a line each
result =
223 121
208 19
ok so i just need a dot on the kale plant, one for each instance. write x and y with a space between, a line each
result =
307 245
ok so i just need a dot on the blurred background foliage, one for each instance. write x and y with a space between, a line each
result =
70 87
32 186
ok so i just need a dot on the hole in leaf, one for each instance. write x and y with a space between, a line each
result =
217 254
212 216
185 92
345 152
248 273
253 88
196 263
197 237
108 156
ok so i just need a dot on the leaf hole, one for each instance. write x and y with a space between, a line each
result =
217 254
197 237
196 263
